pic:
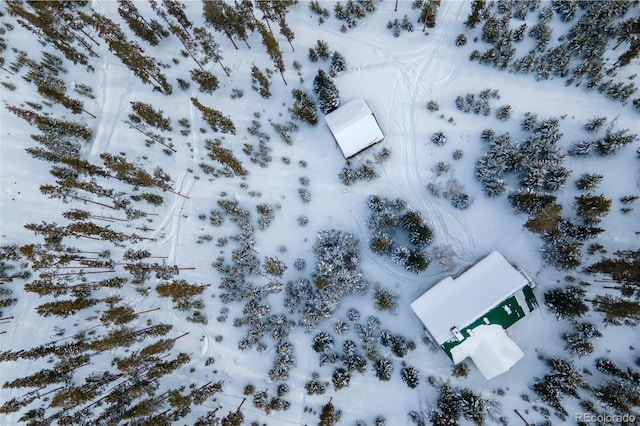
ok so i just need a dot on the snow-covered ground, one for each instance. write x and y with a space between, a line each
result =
397 76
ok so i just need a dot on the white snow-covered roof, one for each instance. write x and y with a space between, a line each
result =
354 127
458 302
491 350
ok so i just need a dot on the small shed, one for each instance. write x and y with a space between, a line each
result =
354 127
467 316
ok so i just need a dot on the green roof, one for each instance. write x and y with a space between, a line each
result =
505 314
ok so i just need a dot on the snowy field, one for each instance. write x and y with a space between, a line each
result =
397 76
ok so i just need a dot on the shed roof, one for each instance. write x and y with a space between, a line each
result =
460 301
354 127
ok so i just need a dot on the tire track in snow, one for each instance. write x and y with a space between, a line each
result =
171 220
116 87
464 244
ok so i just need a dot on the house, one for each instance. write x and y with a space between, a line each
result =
354 127
467 316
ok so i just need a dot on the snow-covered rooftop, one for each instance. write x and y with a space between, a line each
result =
491 350
458 302
354 127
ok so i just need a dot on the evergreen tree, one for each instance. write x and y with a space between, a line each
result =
58 24
428 14
215 15
152 117
214 118
209 47
338 63
566 303
280 11
273 50
327 92
303 108
410 376
261 82
150 31
179 290
341 378
624 269
207 82
329 416
590 208
595 124
384 369
474 17
144 67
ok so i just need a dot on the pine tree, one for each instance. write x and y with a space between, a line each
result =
209 47
329 416
130 53
214 118
428 14
327 92
207 82
261 82
474 17
384 369
590 208
152 117
273 50
303 108
338 63
341 378
410 376
150 31
566 303
57 23
624 269
179 289
280 11
215 15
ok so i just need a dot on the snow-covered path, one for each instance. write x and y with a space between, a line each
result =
417 80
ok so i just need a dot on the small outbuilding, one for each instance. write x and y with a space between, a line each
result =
467 316
354 127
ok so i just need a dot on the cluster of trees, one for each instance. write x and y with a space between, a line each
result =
361 343
455 403
452 190
353 11
538 159
386 218
322 51
579 56
622 270
606 144
398 25
337 274
366 170
12 267
479 104
617 392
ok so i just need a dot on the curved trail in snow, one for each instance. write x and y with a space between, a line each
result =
462 241
413 70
